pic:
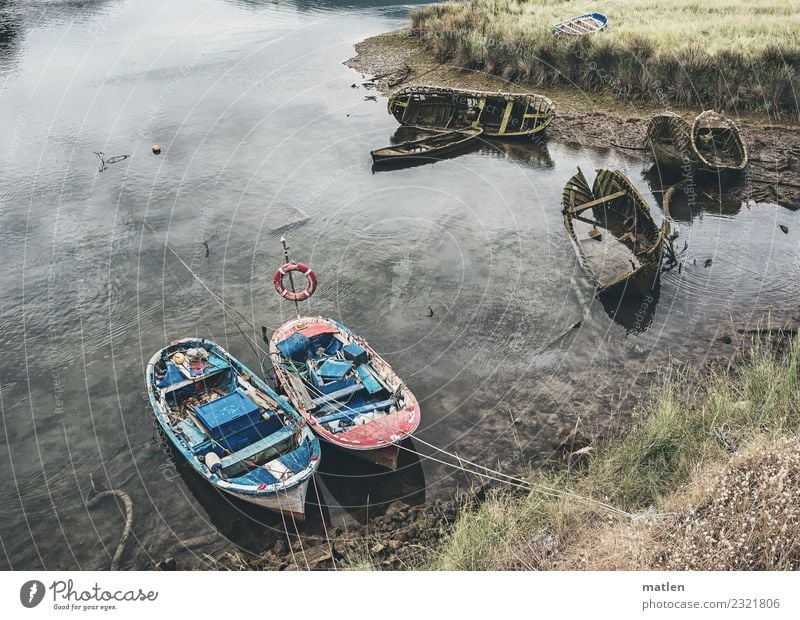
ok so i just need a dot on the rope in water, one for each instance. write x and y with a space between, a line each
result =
126 532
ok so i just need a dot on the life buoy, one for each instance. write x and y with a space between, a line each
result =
311 281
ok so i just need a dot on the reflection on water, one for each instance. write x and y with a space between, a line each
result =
364 490
459 273
634 313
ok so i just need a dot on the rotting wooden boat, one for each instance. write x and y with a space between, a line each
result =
710 144
500 115
349 395
669 138
588 23
428 148
716 143
232 428
620 247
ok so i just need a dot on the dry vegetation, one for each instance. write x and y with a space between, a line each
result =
708 478
726 54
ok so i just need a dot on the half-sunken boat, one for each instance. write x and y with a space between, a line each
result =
588 23
232 428
428 148
669 138
347 393
710 144
617 243
717 144
500 115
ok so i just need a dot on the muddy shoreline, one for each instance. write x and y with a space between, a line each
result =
398 59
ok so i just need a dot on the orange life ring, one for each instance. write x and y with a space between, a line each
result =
311 281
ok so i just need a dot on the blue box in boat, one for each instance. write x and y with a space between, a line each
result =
356 353
294 347
334 369
227 415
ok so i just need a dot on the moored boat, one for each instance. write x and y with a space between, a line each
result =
588 23
429 148
500 115
620 247
231 427
349 395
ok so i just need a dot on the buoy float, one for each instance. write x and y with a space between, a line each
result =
156 149
311 284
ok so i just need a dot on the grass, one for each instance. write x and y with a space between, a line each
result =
723 54
708 477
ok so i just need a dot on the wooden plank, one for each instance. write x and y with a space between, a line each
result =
306 402
598 201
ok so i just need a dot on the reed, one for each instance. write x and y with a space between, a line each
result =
723 54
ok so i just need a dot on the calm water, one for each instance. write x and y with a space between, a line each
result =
262 135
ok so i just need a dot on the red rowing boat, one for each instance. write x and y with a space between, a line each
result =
349 395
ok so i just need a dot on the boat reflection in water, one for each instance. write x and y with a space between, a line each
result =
363 490
633 312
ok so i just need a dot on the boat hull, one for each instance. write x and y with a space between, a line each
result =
286 495
291 502
500 115
614 197
377 441
403 152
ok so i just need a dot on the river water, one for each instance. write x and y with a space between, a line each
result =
263 135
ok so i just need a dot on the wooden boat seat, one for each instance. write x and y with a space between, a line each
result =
264 449
355 411
347 391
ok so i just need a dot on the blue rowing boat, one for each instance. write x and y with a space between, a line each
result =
587 23
232 428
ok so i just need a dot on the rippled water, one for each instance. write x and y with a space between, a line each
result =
262 135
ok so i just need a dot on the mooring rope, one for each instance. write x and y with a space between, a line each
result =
126 532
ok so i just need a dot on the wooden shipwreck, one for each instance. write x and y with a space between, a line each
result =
429 148
500 115
615 238
712 143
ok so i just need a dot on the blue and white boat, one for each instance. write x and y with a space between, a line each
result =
587 23
235 431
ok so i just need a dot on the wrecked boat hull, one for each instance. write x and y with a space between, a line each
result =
333 410
711 144
630 262
500 115
429 148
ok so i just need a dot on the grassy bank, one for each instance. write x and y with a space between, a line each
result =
725 54
708 477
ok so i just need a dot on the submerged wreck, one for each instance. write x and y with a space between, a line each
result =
428 148
500 115
711 144
617 243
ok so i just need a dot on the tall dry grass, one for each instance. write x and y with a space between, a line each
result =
724 54
698 474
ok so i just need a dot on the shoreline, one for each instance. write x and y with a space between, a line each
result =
397 59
